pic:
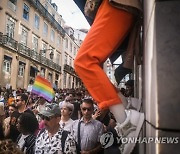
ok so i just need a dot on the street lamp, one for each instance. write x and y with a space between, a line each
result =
51 54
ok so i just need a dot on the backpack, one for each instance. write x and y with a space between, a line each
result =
63 139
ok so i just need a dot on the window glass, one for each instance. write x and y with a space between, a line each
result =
36 21
21 70
7 66
24 35
10 27
45 29
26 12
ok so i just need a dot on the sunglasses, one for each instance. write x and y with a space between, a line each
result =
88 109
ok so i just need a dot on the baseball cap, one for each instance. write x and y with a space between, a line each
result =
50 109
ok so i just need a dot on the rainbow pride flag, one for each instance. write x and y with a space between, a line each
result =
43 88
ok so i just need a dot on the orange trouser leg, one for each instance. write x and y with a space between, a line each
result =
110 27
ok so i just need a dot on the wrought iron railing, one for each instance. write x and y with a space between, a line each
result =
8 42
47 15
28 53
69 69
33 55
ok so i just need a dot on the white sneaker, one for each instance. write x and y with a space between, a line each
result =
130 128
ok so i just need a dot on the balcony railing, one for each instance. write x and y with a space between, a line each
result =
69 69
47 15
28 53
23 50
8 42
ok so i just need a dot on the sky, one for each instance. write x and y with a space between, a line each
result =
71 14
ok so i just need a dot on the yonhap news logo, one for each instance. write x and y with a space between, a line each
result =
107 140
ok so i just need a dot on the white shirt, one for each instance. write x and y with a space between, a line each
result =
22 141
66 125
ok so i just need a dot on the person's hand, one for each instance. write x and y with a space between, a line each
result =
96 114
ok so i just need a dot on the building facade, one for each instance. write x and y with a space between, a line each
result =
33 41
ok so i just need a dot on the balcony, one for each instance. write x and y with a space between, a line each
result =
47 15
8 42
69 69
27 52
35 56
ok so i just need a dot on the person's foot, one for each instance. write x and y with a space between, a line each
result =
130 128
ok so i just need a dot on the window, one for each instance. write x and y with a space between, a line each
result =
56 80
57 77
13 1
59 21
45 29
69 83
50 77
7 66
66 43
58 41
10 26
42 72
70 62
71 47
12 4
74 51
65 75
57 58
44 47
52 35
24 35
35 43
65 59
51 52
36 21
26 12
33 71
21 69
46 6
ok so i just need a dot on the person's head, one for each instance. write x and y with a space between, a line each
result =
87 108
67 109
14 117
50 114
11 109
129 88
21 100
27 123
69 99
41 100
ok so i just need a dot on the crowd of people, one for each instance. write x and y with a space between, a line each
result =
71 123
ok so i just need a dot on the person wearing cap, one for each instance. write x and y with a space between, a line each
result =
49 139
66 112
